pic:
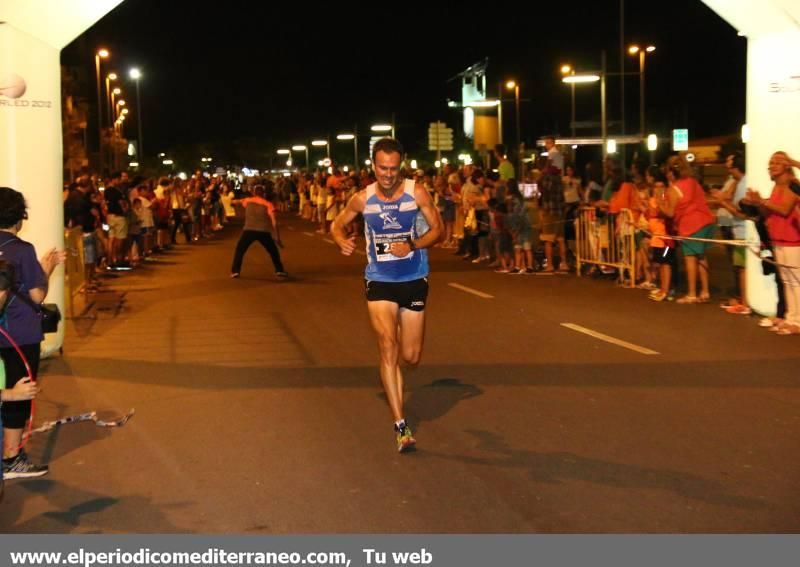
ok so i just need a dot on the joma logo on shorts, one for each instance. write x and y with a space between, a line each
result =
417 304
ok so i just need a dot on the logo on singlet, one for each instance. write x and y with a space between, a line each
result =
390 222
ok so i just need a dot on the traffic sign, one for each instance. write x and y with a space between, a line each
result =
680 140
440 137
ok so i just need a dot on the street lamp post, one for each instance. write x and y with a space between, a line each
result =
353 137
110 77
135 74
326 143
101 53
633 50
118 114
513 85
302 148
568 70
593 77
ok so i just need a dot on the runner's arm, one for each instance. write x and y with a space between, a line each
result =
354 206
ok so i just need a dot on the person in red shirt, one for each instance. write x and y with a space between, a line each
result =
685 202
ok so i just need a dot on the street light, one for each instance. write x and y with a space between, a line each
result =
110 77
319 143
300 148
135 74
383 128
593 77
284 152
633 50
512 85
568 70
355 145
104 54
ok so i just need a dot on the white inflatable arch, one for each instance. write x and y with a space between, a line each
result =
772 28
32 34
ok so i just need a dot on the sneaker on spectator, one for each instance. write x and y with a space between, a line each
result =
739 309
282 274
502 271
658 295
766 322
514 271
21 467
529 271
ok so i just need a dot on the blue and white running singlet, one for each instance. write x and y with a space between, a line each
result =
386 222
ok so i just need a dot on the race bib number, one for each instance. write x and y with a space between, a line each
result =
383 245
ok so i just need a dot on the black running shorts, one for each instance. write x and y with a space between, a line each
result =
408 295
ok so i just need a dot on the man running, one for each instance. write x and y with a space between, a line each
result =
396 277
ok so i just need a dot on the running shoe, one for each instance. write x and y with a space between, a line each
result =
405 439
21 467
282 274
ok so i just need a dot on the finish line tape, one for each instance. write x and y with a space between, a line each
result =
90 416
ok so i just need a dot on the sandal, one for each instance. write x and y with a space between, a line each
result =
687 299
658 295
703 298
788 329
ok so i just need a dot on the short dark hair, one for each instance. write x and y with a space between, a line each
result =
500 149
387 146
12 207
738 161
657 174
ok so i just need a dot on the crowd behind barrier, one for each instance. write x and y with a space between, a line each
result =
647 227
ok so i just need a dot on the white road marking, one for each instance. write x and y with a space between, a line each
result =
470 290
309 233
606 338
329 241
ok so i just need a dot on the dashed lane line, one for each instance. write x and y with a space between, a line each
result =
470 290
609 339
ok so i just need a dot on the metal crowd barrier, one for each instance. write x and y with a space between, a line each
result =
605 239
73 267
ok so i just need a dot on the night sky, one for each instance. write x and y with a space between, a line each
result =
285 73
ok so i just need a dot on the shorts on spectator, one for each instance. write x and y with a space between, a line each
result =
694 248
552 227
89 252
739 257
524 240
506 243
117 227
663 255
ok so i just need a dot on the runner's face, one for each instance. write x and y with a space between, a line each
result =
387 169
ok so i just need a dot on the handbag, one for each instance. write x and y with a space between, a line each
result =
49 312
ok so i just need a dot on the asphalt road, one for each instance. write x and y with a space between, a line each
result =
259 408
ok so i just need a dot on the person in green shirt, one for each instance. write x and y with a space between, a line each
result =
505 167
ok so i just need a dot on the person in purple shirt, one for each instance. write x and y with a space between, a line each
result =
23 323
